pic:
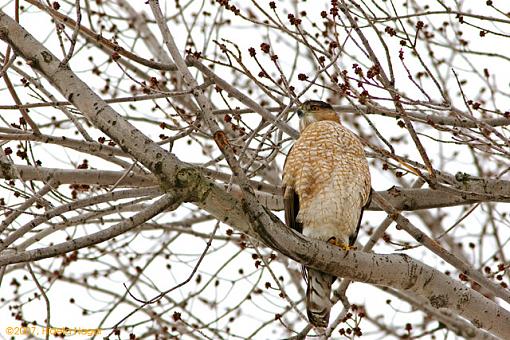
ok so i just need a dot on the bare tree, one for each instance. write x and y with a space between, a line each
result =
142 146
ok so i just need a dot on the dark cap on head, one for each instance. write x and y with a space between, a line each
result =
320 104
314 111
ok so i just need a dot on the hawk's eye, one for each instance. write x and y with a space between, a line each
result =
300 113
314 108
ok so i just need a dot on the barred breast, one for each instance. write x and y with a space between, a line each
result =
328 170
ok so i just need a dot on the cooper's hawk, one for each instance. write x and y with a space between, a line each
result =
326 186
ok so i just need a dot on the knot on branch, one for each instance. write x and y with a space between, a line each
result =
194 183
47 57
462 177
439 301
7 170
186 177
4 32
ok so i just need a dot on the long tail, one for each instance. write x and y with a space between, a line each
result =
318 292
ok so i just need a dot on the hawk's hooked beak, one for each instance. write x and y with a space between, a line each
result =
300 113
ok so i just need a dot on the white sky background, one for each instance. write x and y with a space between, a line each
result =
187 247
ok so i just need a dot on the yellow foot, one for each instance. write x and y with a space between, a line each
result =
340 244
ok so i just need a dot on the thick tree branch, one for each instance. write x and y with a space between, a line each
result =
74 176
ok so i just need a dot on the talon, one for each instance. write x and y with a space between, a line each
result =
339 244
347 247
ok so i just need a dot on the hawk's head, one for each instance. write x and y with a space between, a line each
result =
313 111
